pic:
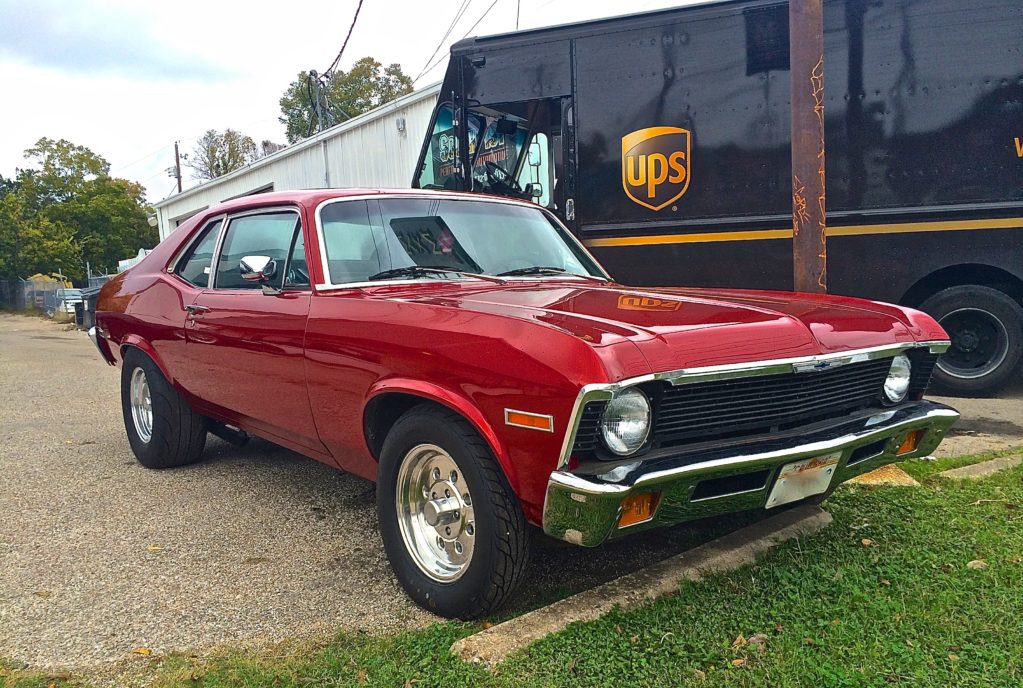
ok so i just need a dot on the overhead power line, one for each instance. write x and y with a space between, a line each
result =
451 27
344 45
121 168
471 29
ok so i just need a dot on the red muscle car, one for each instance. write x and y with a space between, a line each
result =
472 358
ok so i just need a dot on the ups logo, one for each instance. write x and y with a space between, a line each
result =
646 303
656 165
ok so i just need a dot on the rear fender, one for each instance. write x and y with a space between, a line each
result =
457 402
145 347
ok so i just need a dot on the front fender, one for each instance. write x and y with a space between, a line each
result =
457 402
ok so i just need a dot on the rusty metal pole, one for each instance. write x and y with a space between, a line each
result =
806 57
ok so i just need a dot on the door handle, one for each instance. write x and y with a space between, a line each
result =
196 309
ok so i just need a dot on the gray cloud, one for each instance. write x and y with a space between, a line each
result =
87 38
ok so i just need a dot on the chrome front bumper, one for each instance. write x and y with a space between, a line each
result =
584 507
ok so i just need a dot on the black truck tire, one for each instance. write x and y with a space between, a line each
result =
986 329
170 434
466 567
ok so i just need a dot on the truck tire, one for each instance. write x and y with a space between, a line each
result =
162 428
452 528
986 329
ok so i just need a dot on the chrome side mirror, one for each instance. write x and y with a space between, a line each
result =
261 269
257 268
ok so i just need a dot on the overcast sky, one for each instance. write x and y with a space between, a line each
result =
128 78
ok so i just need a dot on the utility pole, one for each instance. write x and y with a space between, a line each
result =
806 60
518 9
177 165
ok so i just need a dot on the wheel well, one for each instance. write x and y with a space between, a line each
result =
382 412
983 275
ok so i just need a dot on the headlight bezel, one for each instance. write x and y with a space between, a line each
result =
901 365
621 448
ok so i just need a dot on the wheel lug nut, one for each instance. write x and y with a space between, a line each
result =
458 547
469 530
436 474
440 542
453 477
447 530
447 492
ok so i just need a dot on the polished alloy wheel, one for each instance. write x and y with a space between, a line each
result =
141 405
435 513
980 343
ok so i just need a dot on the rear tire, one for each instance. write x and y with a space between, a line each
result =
986 329
162 428
465 567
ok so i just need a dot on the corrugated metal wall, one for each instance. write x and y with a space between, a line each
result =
366 151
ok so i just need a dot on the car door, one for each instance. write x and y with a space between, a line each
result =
245 348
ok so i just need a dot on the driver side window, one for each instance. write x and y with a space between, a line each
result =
266 234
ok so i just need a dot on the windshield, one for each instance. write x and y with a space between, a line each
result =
482 237
493 137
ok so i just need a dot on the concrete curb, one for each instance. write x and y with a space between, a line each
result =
982 470
491 646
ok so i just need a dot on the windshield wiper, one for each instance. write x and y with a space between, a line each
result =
547 270
419 270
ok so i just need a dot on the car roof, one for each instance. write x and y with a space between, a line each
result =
313 197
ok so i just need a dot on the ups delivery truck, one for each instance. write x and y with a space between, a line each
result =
663 141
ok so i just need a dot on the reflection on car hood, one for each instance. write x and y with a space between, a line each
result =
682 328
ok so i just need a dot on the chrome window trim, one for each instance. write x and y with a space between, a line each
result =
684 376
428 195
172 265
230 218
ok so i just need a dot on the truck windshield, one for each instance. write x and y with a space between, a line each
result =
468 236
493 138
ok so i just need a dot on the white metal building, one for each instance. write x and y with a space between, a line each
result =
377 149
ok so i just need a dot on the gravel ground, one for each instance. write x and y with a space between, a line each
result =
99 556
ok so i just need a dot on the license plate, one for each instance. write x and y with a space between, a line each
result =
802 479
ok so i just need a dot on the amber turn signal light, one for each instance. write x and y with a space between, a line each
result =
533 421
638 509
911 442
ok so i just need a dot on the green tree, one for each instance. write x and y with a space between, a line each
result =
108 217
218 153
343 95
67 210
30 243
62 168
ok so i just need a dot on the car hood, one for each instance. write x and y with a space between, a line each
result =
678 328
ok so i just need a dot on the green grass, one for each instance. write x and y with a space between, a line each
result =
882 597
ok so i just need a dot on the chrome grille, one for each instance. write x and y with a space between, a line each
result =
741 407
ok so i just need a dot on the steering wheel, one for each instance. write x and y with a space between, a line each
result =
297 276
501 180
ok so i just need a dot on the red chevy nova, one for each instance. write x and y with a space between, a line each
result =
474 360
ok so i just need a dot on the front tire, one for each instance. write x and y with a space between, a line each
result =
986 329
162 428
452 528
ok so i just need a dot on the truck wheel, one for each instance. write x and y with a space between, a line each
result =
452 527
162 428
986 329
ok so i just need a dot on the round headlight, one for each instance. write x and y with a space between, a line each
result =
897 385
626 422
